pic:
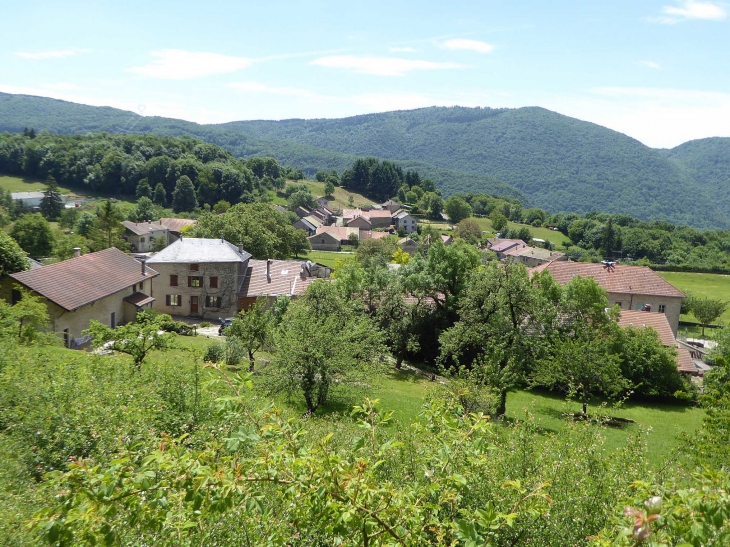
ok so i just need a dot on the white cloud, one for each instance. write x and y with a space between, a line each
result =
472 45
691 9
56 54
257 87
177 64
401 49
380 66
650 64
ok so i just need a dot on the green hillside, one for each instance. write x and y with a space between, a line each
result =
541 157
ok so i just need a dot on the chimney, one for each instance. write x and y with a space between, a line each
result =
223 240
268 270
240 248
144 267
77 252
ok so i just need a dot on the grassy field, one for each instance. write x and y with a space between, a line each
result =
541 233
404 392
703 285
18 184
341 196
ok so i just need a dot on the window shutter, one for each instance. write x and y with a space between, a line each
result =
213 282
190 281
167 299
173 280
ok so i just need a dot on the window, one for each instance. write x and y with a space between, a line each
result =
172 300
213 282
662 308
16 295
620 304
194 267
212 301
141 240
173 281
194 281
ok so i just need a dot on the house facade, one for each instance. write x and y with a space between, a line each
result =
108 286
403 219
532 256
199 277
142 236
629 287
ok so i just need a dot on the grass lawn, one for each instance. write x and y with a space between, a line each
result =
703 285
341 196
328 258
541 233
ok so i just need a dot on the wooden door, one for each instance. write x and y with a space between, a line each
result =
193 304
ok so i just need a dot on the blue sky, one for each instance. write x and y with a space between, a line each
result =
655 70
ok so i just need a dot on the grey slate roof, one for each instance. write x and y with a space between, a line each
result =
194 250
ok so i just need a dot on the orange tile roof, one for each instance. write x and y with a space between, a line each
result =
684 361
654 320
177 224
286 279
85 279
620 278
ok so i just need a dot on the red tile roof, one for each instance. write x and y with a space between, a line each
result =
139 299
177 224
85 279
503 244
620 278
656 321
684 361
286 279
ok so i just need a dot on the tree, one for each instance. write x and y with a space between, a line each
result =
144 211
609 241
12 258
221 207
499 221
302 198
24 320
85 224
706 310
134 339
33 234
69 217
324 346
253 329
108 219
579 357
457 209
329 188
469 230
52 202
160 195
300 244
143 189
499 305
399 319
183 197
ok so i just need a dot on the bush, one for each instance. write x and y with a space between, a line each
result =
215 353
205 324
234 352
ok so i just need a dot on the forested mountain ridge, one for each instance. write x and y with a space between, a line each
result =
544 158
20 111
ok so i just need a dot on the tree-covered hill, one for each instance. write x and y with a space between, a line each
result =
543 158
20 111
708 161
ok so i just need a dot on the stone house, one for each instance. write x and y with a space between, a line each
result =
332 238
631 287
309 224
199 277
143 235
361 223
378 218
274 278
408 245
500 246
108 286
403 219
176 226
532 256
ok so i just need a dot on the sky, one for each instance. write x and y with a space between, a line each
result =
657 71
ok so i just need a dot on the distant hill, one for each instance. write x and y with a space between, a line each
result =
554 161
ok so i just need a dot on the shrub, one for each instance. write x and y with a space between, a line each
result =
215 353
205 324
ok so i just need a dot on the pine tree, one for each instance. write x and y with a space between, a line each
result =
52 202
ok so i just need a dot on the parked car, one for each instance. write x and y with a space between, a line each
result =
225 323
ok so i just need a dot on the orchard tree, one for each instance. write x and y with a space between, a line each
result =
325 346
706 310
33 234
183 197
134 339
253 329
468 230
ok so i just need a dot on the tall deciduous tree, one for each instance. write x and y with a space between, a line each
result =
183 197
12 258
33 234
324 346
160 195
457 208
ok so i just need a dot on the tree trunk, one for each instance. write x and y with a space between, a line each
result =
399 362
585 404
251 361
502 408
